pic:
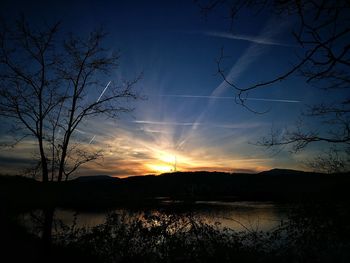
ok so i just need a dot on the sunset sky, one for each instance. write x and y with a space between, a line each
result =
189 116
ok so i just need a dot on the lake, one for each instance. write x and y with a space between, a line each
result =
239 216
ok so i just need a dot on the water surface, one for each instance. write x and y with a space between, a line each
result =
239 216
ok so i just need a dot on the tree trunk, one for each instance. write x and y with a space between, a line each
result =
44 169
63 158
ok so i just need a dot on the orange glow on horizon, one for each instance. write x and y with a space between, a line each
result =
129 155
155 168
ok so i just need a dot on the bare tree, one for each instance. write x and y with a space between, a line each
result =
323 34
44 85
331 161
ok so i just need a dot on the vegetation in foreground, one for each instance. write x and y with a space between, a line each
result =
313 233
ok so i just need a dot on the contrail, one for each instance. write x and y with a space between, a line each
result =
274 100
227 98
254 39
227 126
253 52
103 91
92 139
163 123
80 131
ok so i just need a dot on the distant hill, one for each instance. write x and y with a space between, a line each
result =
96 178
103 190
278 172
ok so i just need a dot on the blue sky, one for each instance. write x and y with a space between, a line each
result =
188 115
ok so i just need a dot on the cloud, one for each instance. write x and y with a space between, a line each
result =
259 45
261 39
218 125
255 50
163 123
19 161
228 98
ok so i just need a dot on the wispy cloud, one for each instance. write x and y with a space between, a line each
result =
261 39
163 123
218 125
274 100
253 52
228 98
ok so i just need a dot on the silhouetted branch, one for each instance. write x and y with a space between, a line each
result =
44 87
323 33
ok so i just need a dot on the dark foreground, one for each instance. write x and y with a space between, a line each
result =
314 232
317 229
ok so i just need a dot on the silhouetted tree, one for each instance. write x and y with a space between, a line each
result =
323 34
45 80
330 161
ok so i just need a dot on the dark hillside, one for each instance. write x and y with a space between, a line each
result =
274 185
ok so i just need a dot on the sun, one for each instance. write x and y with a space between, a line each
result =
167 158
164 162
160 168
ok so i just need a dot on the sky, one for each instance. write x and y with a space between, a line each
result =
188 119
